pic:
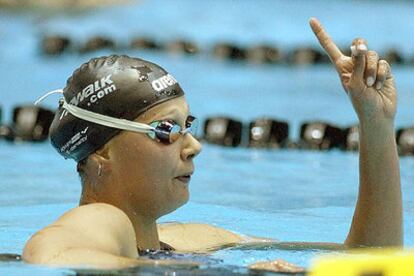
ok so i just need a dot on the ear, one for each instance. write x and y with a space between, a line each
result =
101 159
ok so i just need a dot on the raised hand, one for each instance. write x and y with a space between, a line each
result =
369 83
366 78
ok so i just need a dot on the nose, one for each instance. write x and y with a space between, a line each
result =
191 147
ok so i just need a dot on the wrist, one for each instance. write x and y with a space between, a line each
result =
377 133
376 124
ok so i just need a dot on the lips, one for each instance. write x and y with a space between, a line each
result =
184 178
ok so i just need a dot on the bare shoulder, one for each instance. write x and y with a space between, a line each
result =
197 237
96 213
98 226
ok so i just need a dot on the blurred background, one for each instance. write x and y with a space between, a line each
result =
239 59
44 41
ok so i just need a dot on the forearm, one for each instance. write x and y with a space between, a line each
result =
97 259
88 258
377 219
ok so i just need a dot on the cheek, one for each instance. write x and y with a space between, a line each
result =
147 164
154 164
134 162
163 165
164 169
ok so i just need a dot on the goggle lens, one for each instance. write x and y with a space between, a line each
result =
191 125
169 131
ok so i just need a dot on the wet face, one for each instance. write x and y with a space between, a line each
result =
152 178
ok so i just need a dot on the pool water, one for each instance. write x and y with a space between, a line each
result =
290 195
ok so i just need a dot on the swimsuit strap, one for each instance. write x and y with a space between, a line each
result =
164 247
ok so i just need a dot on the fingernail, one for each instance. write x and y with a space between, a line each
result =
362 47
370 81
353 50
378 86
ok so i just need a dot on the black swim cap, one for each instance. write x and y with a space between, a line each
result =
116 86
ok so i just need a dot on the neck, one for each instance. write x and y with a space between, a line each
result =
146 232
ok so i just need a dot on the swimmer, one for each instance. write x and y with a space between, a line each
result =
128 125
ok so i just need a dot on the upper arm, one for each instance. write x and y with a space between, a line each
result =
96 227
198 237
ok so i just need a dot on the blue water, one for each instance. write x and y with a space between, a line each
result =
289 195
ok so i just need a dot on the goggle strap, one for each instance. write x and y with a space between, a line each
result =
60 91
106 120
99 118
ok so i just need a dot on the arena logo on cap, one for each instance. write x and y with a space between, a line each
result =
163 82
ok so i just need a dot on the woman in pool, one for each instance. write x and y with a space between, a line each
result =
131 178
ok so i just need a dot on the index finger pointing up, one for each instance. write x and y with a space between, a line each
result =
325 40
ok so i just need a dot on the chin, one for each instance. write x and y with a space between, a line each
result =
178 203
179 194
182 200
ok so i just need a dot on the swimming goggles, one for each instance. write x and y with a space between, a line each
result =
163 131
168 131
